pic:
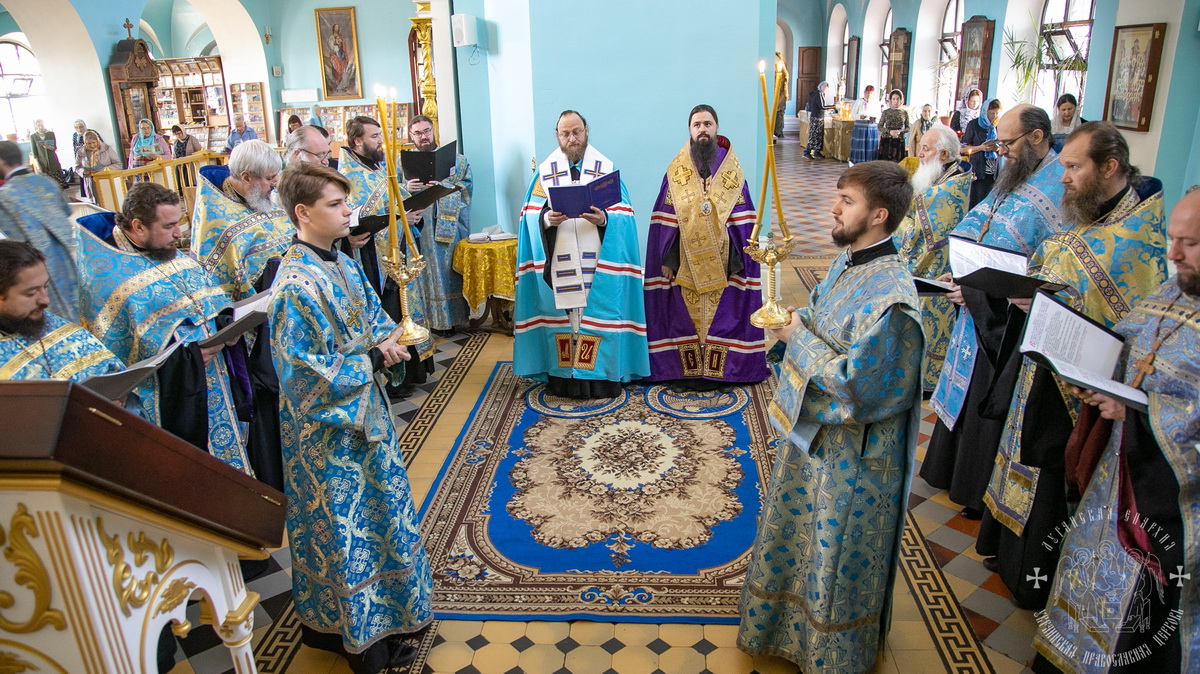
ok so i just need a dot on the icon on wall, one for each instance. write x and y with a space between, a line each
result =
337 43
1133 75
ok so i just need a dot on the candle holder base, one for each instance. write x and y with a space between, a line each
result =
408 332
771 315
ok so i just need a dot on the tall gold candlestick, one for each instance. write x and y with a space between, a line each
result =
393 246
762 195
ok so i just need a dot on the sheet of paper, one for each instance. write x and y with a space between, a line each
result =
249 305
1115 389
968 256
1061 334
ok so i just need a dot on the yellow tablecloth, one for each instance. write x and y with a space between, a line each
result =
488 270
837 138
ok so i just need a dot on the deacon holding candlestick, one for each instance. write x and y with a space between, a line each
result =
846 412
699 278
384 247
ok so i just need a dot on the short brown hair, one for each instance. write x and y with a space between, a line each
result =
303 184
357 128
885 185
419 118
142 202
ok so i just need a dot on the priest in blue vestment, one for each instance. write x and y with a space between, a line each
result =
1109 255
818 590
140 295
702 286
34 343
444 223
580 321
33 208
975 387
1126 596
360 577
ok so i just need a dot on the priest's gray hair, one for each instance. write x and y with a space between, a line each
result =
944 140
297 141
256 157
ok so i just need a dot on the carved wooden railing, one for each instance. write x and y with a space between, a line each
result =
180 175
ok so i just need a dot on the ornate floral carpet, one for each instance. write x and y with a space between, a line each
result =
636 509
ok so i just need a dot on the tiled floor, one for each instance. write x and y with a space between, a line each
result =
581 647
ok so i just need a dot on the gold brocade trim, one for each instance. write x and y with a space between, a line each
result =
701 208
691 359
130 591
586 351
714 360
31 572
144 326
27 356
80 364
120 298
702 309
813 621
538 191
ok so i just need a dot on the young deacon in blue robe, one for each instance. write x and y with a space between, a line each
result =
34 343
360 577
818 590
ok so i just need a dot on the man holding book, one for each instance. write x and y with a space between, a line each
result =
1136 552
818 590
34 343
942 185
701 283
1110 254
365 164
139 295
444 223
580 322
360 576
972 398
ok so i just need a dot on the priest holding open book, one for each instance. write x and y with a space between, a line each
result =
1110 254
580 321
1129 568
139 295
444 223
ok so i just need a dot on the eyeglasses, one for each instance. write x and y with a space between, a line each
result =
1005 144
320 157
578 133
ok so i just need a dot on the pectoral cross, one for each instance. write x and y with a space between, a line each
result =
1145 364
354 313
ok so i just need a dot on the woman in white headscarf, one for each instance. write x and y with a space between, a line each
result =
967 112
1064 120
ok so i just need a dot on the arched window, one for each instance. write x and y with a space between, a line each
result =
884 54
20 89
949 45
1066 36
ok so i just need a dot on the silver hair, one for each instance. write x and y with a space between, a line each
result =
254 156
945 140
297 141
1191 189
238 118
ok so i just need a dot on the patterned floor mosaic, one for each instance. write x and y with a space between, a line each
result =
951 613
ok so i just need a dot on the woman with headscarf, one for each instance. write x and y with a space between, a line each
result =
979 141
92 157
1064 120
816 107
864 139
76 144
919 127
968 111
893 123
147 145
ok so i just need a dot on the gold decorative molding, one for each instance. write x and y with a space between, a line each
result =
131 592
13 659
423 25
177 591
31 572
181 629
11 663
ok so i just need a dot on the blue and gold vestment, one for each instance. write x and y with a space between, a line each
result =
358 566
451 218
819 585
63 351
137 306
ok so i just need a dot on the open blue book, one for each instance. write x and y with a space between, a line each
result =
574 200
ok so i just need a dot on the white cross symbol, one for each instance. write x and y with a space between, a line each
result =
1178 577
1039 579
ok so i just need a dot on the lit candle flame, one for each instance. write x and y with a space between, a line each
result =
762 66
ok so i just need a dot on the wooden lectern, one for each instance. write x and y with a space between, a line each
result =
108 526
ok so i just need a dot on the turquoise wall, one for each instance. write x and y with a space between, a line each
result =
158 13
382 46
7 24
1178 163
809 29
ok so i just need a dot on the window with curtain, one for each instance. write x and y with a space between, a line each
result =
1064 41
21 90
948 47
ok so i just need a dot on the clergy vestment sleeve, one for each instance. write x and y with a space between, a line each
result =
871 381
333 386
